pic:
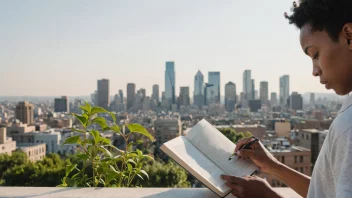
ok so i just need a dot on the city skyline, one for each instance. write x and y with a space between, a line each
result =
130 43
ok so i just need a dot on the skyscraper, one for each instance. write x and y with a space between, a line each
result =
247 84
155 94
131 93
264 92
61 104
284 89
253 90
103 93
198 92
170 82
184 99
143 93
214 91
121 95
230 96
273 99
25 112
312 99
296 101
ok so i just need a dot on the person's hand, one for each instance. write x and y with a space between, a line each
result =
258 154
249 186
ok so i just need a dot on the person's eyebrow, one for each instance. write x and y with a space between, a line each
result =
306 50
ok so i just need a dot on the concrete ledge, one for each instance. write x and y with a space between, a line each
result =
44 192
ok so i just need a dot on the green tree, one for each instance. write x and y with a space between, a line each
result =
234 136
163 174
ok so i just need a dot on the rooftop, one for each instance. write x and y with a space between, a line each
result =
49 192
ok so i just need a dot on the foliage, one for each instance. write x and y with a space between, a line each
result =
233 135
17 170
162 174
108 165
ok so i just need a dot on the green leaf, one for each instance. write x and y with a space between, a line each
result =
139 152
69 169
140 176
98 110
96 135
113 169
105 140
116 128
139 141
82 118
101 121
72 140
137 128
112 116
131 161
130 146
83 156
77 130
106 151
145 173
149 157
129 166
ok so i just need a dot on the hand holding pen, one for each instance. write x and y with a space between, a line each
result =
245 146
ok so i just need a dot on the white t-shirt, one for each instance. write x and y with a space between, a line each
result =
332 174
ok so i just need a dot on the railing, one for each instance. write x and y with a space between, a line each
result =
50 192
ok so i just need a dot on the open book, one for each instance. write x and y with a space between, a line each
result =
204 152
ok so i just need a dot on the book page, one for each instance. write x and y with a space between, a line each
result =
189 157
218 148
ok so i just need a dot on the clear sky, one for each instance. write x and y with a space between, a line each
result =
50 48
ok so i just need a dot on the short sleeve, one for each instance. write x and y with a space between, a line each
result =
341 163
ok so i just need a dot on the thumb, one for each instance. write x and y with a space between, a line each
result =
247 153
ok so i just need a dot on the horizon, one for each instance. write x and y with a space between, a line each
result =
48 48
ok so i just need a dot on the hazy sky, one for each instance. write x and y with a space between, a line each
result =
50 48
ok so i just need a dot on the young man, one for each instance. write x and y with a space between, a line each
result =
326 37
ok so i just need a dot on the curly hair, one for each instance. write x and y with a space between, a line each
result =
322 15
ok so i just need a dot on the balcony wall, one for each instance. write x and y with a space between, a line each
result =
44 192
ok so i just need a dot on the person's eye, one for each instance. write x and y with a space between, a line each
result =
316 56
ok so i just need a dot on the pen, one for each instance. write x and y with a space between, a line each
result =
246 146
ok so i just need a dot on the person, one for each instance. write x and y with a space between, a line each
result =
326 37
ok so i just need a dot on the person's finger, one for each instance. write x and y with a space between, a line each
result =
237 190
242 142
247 153
233 179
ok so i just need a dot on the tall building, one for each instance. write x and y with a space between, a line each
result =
198 92
143 93
296 101
155 94
131 93
25 112
273 99
170 82
253 91
184 99
264 92
230 96
61 104
121 95
214 91
284 89
103 93
312 99
247 84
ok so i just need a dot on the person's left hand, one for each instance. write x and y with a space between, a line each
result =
249 186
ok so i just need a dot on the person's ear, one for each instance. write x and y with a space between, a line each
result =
347 33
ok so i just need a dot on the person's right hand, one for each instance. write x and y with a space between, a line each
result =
258 154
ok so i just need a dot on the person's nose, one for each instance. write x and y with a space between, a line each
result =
316 71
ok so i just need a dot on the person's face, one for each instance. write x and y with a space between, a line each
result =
332 61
